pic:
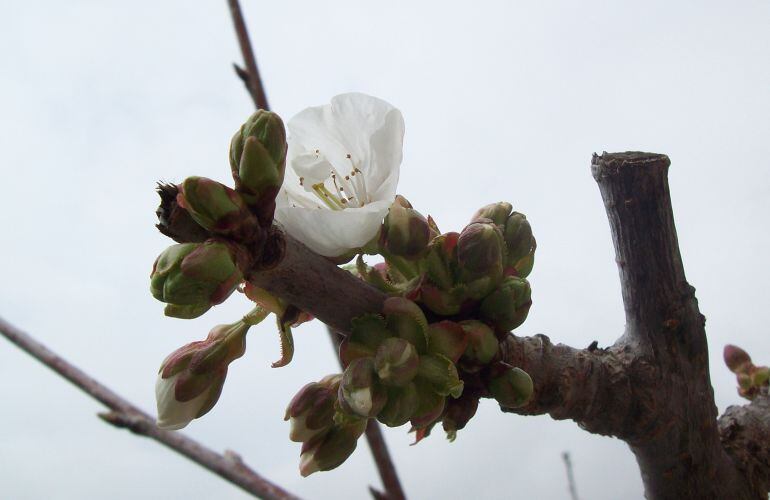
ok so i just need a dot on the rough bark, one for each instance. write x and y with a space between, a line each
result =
651 388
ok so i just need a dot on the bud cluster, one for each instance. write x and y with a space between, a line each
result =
192 277
752 379
400 369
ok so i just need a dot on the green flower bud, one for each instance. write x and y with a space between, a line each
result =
405 232
406 320
396 362
437 263
360 392
402 404
430 408
480 253
448 339
496 212
366 335
508 305
330 449
458 413
482 345
217 208
442 302
512 389
441 374
760 376
311 411
744 381
258 159
520 243
192 277
736 359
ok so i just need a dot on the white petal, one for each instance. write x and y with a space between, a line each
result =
172 414
332 233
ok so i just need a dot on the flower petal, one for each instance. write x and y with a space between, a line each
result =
333 233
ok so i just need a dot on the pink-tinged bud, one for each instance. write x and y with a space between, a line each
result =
401 406
483 345
496 212
217 208
360 392
330 449
458 413
190 379
192 277
447 338
480 251
736 359
441 374
508 305
512 388
407 321
405 231
396 362
311 411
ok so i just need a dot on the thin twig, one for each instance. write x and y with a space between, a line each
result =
125 415
250 76
570 478
379 449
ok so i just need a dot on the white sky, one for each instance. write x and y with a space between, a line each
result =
502 101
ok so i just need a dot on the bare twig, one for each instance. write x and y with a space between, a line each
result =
379 449
125 415
570 477
250 76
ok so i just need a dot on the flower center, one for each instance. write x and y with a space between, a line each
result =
336 192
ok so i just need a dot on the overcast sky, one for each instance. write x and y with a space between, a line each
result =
502 101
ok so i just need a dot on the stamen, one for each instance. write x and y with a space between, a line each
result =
327 197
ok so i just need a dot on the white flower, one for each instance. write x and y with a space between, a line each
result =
342 173
174 414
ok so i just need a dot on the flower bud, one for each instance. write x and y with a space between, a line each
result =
311 411
258 160
217 208
402 404
367 332
406 320
440 301
508 305
405 232
447 338
190 379
441 374
496 212
396 362
512 389
429 409
482 344
360 392
520 244
458 413
760 376
437 263
192 277
480 252
736 359
330 449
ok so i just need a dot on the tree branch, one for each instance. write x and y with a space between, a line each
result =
744 431
123 414
678 451
250 76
